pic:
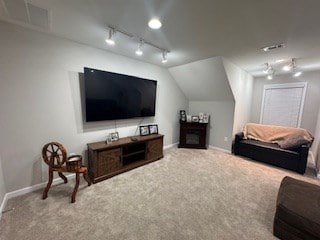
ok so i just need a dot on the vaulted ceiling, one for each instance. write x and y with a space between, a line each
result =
192 30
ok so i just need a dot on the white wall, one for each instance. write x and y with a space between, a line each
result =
312 100
203 80
206 86
2 188
40 100
241 84
315 148
221 120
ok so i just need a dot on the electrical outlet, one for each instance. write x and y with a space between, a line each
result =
226 139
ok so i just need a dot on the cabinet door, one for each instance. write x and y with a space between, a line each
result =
108 161
155 149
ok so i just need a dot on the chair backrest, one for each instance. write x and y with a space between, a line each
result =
54 154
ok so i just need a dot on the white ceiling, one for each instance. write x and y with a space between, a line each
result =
192 30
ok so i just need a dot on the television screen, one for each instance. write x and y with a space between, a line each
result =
117 96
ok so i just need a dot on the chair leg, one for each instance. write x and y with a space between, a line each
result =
63 177
75 190
46 190
86 177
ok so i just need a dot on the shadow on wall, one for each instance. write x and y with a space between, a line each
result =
78 98
39 170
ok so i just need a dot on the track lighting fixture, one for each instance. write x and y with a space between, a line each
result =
164 57
139 51
270 70
110 40
113 30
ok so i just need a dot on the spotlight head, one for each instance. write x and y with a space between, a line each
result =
110 41
287 68
164 57
139 52
297 74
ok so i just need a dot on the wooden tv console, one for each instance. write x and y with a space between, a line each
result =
106 160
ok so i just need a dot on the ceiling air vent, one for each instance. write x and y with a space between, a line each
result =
33 15
17 10
272 47
38 16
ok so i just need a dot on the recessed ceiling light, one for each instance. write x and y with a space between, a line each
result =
154 23
270 77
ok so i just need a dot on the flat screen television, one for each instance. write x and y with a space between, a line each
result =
112 96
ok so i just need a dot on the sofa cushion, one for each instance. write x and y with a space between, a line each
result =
292 143
273 146
298 205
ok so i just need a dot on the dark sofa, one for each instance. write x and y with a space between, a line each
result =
271 153
298 210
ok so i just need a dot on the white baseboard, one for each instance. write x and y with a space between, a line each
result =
312 160
170 146
32 188
36 187
313 163
3 204
219 149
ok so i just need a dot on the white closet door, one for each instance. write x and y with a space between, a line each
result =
283 104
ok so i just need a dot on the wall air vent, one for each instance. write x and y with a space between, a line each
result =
272 47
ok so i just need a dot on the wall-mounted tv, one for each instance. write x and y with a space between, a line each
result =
112 96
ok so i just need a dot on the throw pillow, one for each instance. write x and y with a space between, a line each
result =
292 143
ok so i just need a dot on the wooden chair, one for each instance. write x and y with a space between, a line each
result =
55 155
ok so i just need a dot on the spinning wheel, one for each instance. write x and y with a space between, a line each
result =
55 155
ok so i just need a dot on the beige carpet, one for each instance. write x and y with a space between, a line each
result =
189 194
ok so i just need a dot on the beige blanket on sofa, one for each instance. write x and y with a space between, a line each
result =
273 134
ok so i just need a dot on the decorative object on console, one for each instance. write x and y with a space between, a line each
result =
109 139
189 118
144 130
183 115
201 117
55 155
205 118
153 129
195 118
114 136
